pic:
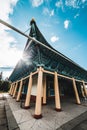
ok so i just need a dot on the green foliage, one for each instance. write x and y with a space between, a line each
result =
4 86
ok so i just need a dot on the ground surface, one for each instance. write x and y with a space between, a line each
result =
81 126
51 120
3 120
72 116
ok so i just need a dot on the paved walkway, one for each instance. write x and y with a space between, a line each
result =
3 120
81 126
51 120
78 123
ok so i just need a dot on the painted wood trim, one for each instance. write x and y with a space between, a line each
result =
48 72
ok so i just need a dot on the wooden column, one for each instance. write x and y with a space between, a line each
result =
19 91
10 89
13 89
27 101
84 88
14 94
56 90
38 114
44 90
82 91
76 92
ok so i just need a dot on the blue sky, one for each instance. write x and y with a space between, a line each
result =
62 22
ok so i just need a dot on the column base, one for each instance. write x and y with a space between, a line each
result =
44 104
78 103
26 107
17 101
37 116
58 110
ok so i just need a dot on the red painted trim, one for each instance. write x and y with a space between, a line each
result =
58 110
38 116
26 107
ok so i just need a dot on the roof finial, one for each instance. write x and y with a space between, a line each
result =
32 21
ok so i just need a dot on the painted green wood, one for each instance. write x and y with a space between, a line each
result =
35 55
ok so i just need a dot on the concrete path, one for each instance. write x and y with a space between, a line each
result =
51 120
3 120
78 123
81 126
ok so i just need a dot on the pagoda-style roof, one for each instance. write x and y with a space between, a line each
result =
36 55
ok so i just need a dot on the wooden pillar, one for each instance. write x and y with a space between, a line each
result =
82 91
27 101
10 89
76 92
44 90
56 90
14 94
19 91
13 89
38 104
84 88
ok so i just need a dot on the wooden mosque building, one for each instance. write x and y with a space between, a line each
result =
43 72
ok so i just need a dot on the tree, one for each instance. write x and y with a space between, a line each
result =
0 76
4 86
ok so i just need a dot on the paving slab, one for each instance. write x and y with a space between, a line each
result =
79 123
3 120
51 120
12 124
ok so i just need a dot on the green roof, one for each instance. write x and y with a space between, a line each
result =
35 55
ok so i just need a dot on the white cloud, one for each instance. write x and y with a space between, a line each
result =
9 55
6 8
54 39
77 15
83 1
36 3
59 4
72 3
6 74
75 3
66 24
46 11
52 12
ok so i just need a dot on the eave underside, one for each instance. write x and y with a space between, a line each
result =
41 56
